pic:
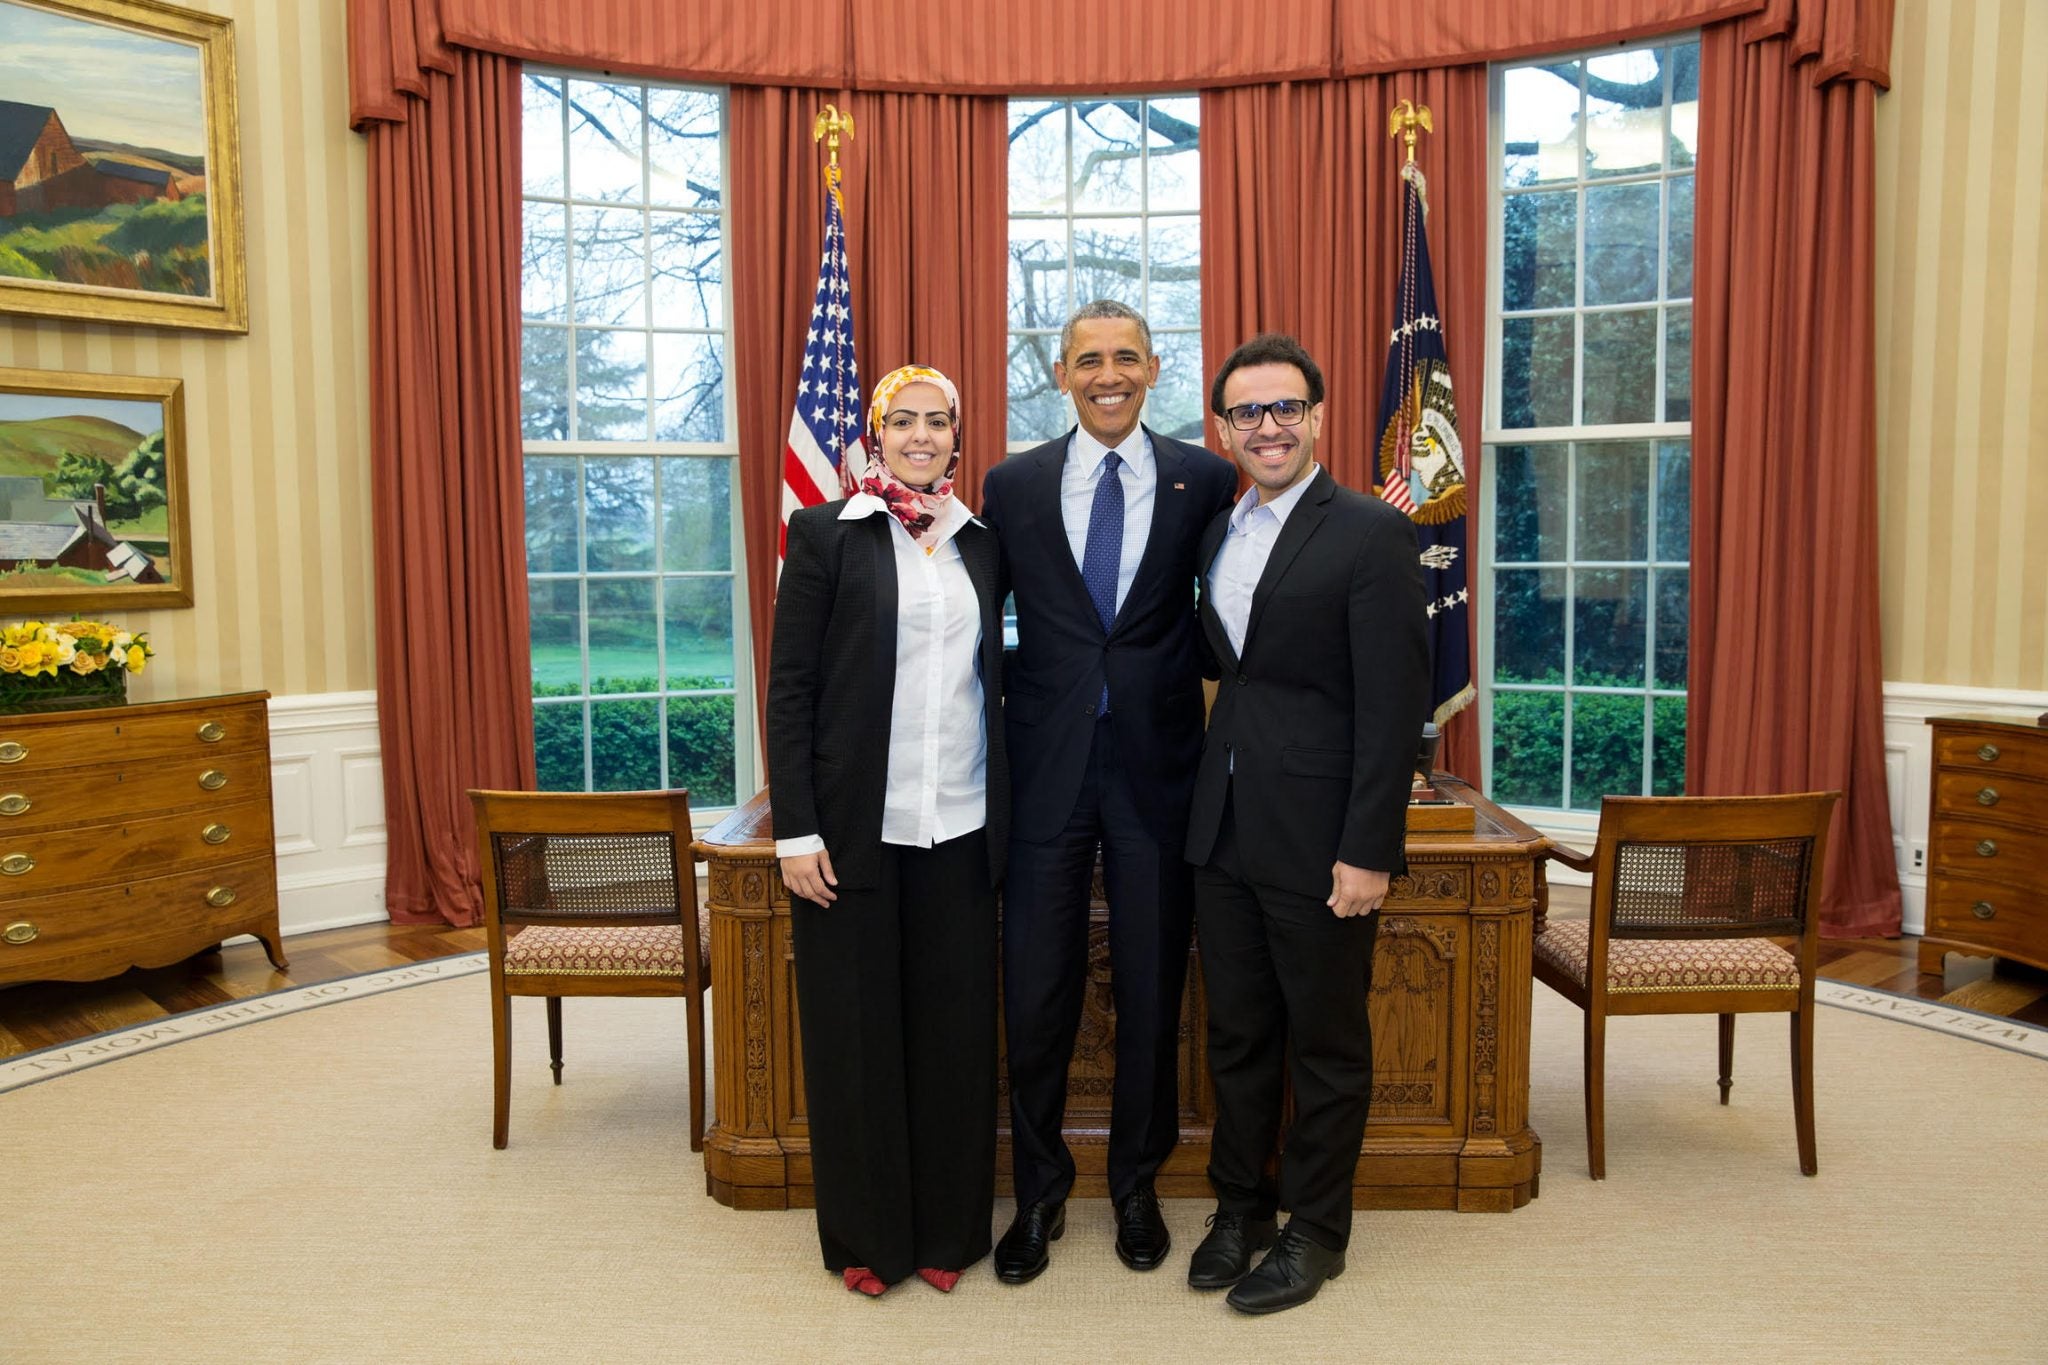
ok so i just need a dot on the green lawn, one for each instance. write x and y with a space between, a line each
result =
559 665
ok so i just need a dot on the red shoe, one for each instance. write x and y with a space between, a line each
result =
941 1280
861 1280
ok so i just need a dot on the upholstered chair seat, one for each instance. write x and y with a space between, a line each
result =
1654 964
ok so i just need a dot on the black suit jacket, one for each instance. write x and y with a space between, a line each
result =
1149 654
1323 713
832 679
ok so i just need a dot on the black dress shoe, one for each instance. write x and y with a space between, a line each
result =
1141 1239
1024 1251
1289 1276
1225 1255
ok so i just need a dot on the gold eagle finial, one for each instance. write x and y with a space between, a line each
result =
1404 119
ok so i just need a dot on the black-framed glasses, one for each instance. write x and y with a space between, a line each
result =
1287 412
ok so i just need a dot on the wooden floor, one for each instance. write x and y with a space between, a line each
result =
42 1014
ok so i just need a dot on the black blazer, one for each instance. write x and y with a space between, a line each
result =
832 679
1149 654
1323 713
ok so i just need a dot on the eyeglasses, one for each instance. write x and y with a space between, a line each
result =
1287 412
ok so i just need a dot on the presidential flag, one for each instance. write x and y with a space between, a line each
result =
1421 467
825 457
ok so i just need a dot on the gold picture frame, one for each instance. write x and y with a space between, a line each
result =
95 507
101 223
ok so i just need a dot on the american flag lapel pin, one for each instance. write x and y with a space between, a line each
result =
1181 486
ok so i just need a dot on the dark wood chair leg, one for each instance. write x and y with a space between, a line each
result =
501 1066
1727 1054
694 1025
555 1035
1596 1102
1802 1089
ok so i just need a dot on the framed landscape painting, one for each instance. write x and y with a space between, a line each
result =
93 503
120 179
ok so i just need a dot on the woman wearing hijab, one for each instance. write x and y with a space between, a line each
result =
890 799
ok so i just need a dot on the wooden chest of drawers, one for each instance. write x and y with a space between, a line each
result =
134 836
1987 844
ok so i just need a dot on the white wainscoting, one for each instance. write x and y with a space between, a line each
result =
327 797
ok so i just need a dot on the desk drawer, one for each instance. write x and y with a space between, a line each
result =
2001 797
118 737
2003 919
81 935
46 861
1993 751
124 788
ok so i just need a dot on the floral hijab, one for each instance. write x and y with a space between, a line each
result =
924 512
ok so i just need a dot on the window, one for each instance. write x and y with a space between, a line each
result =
640 660
1587 516
1105 202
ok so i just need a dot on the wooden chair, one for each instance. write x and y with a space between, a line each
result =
1695 900
589 894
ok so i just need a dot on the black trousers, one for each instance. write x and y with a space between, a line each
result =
894 987
1287 985
1045 973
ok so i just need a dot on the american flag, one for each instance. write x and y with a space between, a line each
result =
825 457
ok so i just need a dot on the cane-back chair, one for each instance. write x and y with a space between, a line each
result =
1701 905
589 894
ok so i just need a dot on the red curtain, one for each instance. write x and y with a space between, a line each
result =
1785 678
1301 233
928 251
454 704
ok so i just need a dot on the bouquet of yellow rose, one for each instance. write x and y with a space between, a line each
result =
49 666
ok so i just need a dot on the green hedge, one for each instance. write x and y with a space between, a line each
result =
626 739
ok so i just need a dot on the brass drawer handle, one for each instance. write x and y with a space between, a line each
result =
20 932
1986 849
14 803
213 732
1983 910
1988 752
213 779
215 834
1988 797
16 864
220 897
10 752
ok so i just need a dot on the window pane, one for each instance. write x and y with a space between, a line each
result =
551 493
1106 137
1529 503
689 270
611 386
1038 273
1607 748
625 746
1528 625
1540 249
540 152
1528 748
700 749
1038 156
611 265
1536 372
696 513
1673 594
618 511
1624 113
1614 501
689 387
682 146
1621 367
1678 267
1674 501
1175 298
1678 365
544 262
558 746
1667 758
1173 167
1621 243
604 141
555 620
622 645
1685 104
1177 405
1541 124
544 383
1038 411
699 625
1107 261
1610 627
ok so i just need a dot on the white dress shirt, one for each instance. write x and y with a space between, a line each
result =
937 786
1140 477
1248 543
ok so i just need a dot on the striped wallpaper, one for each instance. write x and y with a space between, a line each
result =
278 421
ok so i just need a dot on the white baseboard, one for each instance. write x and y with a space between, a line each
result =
327 799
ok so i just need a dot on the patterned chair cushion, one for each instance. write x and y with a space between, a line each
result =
1642 965
599 950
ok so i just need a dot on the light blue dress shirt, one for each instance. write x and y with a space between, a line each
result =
1241 559
1140 477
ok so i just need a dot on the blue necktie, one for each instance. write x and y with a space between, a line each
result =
1102 558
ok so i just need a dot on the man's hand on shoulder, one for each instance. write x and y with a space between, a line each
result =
1355 890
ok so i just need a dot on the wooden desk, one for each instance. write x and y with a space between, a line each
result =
1451 990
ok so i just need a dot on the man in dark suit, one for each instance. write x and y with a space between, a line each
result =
1103 708
1312 606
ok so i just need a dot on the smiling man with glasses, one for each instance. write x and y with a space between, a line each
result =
1312 608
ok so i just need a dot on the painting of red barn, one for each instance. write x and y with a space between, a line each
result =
92 492
120 196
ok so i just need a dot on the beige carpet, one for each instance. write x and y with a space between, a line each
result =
321 1187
